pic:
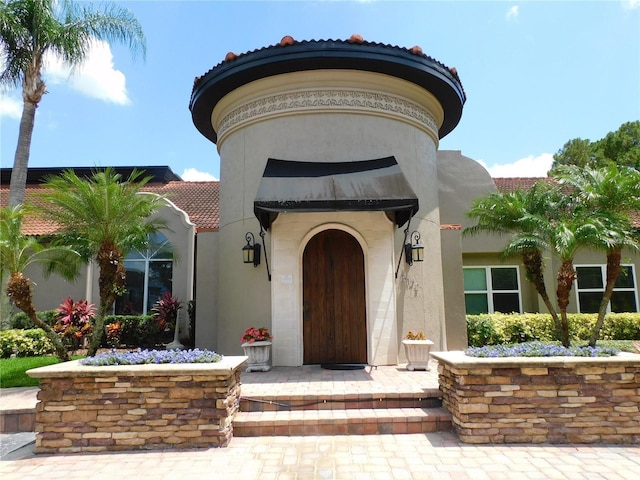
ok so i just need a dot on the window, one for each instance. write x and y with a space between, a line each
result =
149 275
590 283
491 289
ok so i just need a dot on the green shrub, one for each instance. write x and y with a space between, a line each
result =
24 343
481 331
621 326
20 319
500 328
138 331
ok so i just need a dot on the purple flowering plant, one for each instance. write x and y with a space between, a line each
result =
539 349
141 357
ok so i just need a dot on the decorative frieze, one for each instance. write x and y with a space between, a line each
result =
328 100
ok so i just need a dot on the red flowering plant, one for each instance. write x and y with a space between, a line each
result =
74 321
114 333
165 311
253 334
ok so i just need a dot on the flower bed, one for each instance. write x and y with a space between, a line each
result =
141 357
538 349
542 399
85 408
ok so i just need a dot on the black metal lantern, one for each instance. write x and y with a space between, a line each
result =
414 251
251 251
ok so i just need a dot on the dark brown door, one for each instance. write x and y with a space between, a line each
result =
334 314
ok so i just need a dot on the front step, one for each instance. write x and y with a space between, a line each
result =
429 398
342 422
382 412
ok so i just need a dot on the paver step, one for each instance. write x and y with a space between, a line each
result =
18 420
366 421
428 398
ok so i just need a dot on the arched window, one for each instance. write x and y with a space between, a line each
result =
149 275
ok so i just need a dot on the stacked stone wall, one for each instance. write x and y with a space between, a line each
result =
582 401
125 411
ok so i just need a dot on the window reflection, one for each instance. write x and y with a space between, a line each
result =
149 275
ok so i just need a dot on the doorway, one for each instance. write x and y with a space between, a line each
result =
334 305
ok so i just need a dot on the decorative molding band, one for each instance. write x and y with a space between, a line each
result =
328 100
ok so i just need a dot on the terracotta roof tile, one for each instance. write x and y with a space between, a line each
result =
287 40
509 184
200 200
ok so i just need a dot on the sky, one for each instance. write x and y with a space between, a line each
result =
536 73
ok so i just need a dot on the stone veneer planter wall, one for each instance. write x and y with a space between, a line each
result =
136 407
552 399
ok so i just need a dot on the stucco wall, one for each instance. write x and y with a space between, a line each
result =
344 130
455 332
206 290
374 232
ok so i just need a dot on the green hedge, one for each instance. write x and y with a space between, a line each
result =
499 328
20 319
25 340
137 331
24 343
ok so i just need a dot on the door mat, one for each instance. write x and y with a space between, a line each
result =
343 366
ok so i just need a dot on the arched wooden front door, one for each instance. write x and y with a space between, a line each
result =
334 311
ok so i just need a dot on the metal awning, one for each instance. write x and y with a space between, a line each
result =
370 185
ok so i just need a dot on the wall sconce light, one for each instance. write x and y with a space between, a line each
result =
251 251
414 251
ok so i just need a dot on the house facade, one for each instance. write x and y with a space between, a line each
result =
329 161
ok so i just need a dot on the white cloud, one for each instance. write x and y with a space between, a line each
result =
10 107
630 4
525 167
512 13
96 77
193 175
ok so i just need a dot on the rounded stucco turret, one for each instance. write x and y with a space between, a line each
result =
324 143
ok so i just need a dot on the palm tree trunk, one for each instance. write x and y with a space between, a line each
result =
532 260
614 258
566 276
19 291
112 278
21 159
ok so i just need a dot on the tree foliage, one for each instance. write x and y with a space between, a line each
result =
103 218
580 208
17 252
613 193
621 147
30 29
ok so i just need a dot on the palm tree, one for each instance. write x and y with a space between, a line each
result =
614 192
103 218
522 214
576 229
17 252
29 29
549 218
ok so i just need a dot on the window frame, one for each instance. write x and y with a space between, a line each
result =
147 258
489 292
603 277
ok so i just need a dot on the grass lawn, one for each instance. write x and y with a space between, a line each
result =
12 370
